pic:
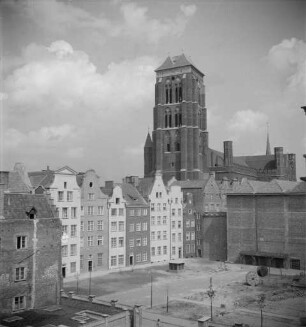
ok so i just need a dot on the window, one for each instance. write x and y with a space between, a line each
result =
82 211
152 207
144 226
121 226
64 250
158 207
152 220
192 223
21 242
198 227
113 260
117 200
100 225
217 207
144 241
187 248
153 251
100 240
20 274
164 206
188 236
138 227
212 207
188 223
19 303
173 224
159 250
113 226
81 261
138 212
159 220
82 226
138 257
131 243
190 211
145 256
100 259
69 196
100 210
156 195
90 226
192 248
192 236
179 237
173 250
65 185
173 237
159 235
121 212
164 235
206 208
90 241
132 212
90 184
60 196
73 212
121 259
164 249
144 212
114 212
73 250
82 241
179 224
57 212
138 242
64 212
64 230
72 267
91 196
113 242
153 236
73 230
179 212
164 220
173 212
121 242
198 242
90 210
295 264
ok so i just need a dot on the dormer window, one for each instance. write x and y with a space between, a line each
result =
32 213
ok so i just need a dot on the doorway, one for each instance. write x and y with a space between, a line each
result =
199 253
131 260
63 272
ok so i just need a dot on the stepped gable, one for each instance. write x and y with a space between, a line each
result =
17 205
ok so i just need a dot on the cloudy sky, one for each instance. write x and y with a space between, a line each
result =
77 84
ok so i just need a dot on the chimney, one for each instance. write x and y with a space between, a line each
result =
228 153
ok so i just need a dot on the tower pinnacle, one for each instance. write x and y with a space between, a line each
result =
268 148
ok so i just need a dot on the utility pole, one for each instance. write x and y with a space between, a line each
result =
167 300
261 303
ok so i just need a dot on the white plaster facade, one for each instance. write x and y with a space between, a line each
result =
176 225
66 195
159 221
117 229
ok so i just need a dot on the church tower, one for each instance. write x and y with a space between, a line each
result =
180 137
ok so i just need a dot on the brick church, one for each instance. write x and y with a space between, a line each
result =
179 143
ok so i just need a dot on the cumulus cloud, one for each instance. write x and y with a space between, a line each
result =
247 121
59 18
289 59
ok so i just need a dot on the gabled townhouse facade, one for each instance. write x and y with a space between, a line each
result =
94 240
30 247
176 222
63 189
137 227
159 220
116 207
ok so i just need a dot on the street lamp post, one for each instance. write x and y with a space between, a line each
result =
211 293
304 178
261 303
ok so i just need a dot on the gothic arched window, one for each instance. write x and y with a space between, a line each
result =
167 142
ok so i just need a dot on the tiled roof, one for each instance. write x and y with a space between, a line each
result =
145 186
191 184
299 188
257 162
131 195
285 185
175 62
16 205
16 184
44 178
